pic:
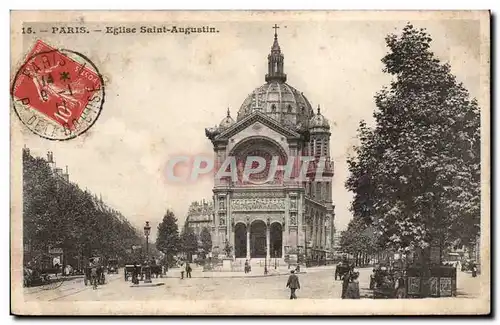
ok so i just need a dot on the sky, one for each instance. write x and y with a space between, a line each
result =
162 91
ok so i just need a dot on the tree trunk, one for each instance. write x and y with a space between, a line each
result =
425 259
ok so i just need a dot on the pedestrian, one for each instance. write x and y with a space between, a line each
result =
474 270
352 291
56 269
135 274
188 270
182 270
400 287
246 266
345 283
93 277
293 284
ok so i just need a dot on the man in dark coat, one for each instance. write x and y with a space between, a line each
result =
188 270
293 284
135 274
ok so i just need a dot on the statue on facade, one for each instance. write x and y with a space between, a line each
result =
228 249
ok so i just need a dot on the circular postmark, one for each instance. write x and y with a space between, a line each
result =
58 94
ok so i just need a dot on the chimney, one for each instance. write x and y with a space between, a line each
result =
66 174
50 157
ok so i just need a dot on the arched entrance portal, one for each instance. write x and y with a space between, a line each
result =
276 240
240 240
258 239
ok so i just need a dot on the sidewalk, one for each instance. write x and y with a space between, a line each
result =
256 272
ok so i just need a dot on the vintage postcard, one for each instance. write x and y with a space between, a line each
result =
250 163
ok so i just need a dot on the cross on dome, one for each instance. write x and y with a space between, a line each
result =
275 27
275 61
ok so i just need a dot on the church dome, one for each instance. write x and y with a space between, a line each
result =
319 121
226 121
276 98
280 101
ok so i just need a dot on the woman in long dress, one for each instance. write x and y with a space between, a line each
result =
352 291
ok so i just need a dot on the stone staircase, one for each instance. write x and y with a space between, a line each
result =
261 262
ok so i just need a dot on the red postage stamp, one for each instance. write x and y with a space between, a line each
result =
57 93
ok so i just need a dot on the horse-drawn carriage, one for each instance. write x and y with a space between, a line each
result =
94 262
382 282
342 269
34 277
112 266
129 269
388 282
156 270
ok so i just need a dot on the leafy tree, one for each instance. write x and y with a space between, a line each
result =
359 240
57 213
189 242
416 175
206 240
167 240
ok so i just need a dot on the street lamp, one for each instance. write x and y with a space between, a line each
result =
147 231
265 262
265 258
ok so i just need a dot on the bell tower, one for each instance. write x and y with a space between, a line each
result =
275 70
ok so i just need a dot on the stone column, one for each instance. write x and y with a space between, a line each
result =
328 233
325 239
322 230
314 231
283 241
229 225
318 231
322 227
248 242
268 241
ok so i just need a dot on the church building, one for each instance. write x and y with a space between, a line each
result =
260 217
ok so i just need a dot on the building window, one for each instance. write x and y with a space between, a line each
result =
293 203
289 107
318 147
273 108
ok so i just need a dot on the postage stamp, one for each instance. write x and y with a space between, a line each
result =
253 163
57 93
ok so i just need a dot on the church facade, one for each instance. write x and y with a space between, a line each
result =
272 217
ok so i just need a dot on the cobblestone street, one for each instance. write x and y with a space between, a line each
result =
317 283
